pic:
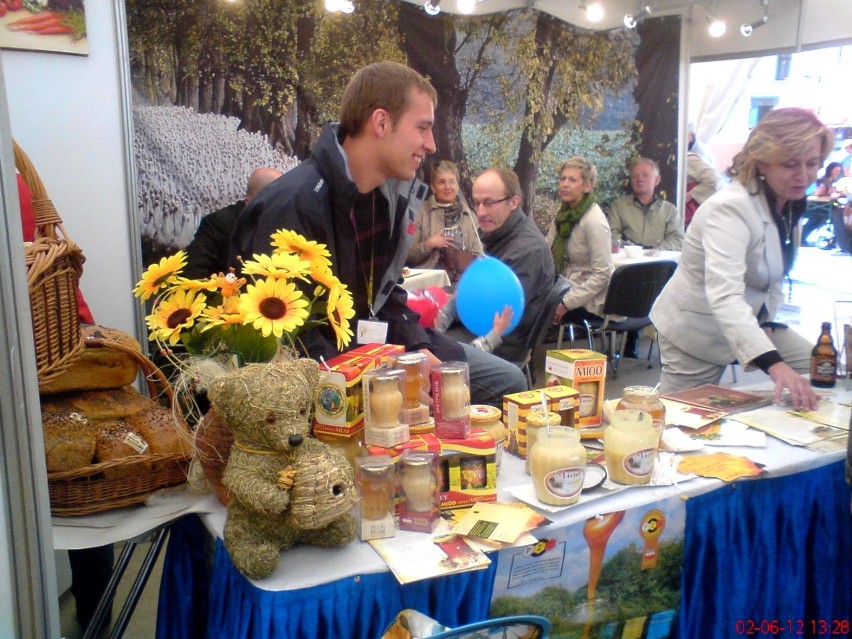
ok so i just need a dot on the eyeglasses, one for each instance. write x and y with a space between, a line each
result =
489 203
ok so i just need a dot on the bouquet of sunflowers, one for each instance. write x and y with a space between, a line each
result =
250 318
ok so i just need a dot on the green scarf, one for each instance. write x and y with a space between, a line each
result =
565 220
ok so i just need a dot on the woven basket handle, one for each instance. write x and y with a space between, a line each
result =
48 224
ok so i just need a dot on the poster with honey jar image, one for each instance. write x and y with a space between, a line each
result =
614 575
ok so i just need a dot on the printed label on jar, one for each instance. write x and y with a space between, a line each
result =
640 463
565 482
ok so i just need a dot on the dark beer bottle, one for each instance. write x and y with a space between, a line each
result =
824 360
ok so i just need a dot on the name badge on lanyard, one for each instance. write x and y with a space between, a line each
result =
372 332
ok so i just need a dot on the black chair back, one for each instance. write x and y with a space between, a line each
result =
536 332
634 288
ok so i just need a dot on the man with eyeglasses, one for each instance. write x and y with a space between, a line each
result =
511 236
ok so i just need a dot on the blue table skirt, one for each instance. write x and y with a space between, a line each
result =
359 607
770 549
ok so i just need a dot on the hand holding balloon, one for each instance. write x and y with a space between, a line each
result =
484 290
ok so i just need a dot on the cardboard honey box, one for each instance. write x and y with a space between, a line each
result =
518 406
468 470
584 371
339 400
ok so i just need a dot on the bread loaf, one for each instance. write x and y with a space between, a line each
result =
98 368
165 432
117 439
69 443
109 404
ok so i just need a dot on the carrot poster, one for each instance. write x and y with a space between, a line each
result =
44 25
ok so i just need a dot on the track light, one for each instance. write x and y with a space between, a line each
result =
630 20
594 10
748 28
466 7
432 7
717 28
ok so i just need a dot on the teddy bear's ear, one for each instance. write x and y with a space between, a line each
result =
310 369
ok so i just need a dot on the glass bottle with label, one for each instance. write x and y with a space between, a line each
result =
647 399
558 465
630 447
824 360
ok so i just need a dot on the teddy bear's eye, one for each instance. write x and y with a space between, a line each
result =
336 490
270 418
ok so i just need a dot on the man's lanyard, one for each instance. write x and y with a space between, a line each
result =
368 281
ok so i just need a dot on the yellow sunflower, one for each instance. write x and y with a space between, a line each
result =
291 242
273 306
324 278
340 311
228 312
278 265
160 275
174 314
197 285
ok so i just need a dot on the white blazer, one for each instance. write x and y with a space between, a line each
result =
730 267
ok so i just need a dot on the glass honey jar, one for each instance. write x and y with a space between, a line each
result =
488 418
646 399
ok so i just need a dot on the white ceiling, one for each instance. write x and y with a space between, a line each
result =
793 24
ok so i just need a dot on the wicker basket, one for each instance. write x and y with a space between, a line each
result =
86 490
54 265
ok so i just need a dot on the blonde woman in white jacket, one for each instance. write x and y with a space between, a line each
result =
719 305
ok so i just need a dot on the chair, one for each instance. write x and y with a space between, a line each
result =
520 626
536 332
632 291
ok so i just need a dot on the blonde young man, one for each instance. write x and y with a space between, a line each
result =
358 195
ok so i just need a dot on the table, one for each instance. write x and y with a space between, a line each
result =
782 543
419 278
620 258
131 525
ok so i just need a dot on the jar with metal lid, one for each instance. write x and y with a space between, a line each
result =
413 380
558 465
418 482
537 420
488 418
378 479
646 399
630 447
385 398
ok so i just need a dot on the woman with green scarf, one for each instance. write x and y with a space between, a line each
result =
581 244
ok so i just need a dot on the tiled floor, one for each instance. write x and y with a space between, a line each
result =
820 279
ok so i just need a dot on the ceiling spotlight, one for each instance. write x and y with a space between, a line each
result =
717 28
594 11
630 20
432 7
466 7
333 5
747 29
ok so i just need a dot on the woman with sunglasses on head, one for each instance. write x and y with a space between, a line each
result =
581 244
719 305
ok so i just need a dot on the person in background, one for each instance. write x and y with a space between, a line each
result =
445 229
825 186
642 217
719 305
207 254
702 180
846 162
511 236
581 244
358 195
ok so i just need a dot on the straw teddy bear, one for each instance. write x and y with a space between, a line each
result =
285 487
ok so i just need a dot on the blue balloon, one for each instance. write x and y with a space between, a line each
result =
485 288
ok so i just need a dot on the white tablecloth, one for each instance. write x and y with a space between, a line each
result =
424 278
621 257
